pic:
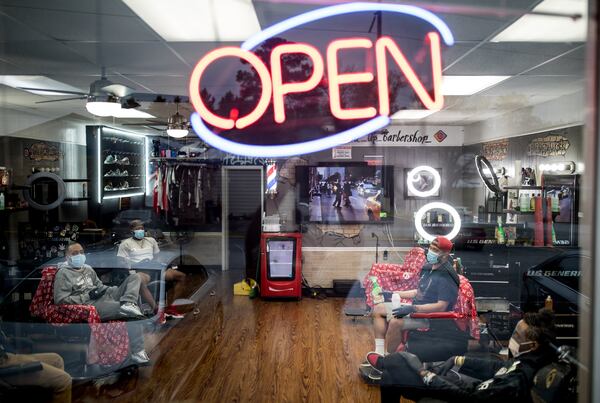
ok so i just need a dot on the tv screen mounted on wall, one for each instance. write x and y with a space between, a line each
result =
346 193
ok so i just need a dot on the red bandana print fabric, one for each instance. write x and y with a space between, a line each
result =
109 342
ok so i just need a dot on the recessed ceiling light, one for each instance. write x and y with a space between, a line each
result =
42 82
468 85
411 114
197 21
545 28
132 114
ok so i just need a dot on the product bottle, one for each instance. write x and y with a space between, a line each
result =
500 235
555 203
532 203
523 203
376 292
553 235
1 201
548 303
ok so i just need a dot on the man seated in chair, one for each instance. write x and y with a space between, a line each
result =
139 249
472 379
436 292
51 377
76 283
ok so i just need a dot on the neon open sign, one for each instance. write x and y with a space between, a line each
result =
274 88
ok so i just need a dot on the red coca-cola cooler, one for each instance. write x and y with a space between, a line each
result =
281 265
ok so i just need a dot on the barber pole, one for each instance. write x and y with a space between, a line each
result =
271 178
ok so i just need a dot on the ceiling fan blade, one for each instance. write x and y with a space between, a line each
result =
146 97
56 91
119 90
60 100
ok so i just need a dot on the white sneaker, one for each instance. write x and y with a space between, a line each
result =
140 357
130 309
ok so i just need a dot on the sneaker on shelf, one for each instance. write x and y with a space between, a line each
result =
110 159
130 309
125 185
108 187
140 357
124 173
117 172
124 161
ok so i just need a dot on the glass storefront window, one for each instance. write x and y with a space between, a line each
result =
298 201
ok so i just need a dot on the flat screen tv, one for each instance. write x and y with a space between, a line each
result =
345 193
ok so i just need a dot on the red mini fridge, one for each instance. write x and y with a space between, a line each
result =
281 265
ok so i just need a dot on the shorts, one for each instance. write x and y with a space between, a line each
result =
409 323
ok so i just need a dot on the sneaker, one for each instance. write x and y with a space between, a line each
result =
117 172
125 185
110 159
108 187
174 315
124 161
140 357
130 309
124 173
370 375
109 173
372 358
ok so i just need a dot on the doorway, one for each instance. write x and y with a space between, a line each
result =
243 199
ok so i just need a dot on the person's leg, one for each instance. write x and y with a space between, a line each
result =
393 337
50 377
379 315
178 279
145 292
129 290
136 336
107 308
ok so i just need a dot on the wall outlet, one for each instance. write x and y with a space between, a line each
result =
385 255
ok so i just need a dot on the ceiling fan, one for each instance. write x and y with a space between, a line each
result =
105 98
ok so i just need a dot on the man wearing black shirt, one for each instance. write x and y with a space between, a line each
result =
475 380
436 292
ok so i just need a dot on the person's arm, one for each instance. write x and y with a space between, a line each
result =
63 290
439 306
407 294
123 252
100 286
155 248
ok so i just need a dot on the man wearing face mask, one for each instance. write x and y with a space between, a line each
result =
139 249
436 292
471 379
76 283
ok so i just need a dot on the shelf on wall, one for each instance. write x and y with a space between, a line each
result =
518 212
523 187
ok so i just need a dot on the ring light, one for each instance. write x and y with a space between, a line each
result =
412 177
441 206
492 186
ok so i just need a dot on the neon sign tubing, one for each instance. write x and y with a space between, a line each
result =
306 147
332 11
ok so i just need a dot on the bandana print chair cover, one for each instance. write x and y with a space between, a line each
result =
109 342
396 277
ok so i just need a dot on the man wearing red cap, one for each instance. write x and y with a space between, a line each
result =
436 292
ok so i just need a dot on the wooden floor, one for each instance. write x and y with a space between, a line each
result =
241 350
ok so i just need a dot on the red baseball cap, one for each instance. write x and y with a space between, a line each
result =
444 244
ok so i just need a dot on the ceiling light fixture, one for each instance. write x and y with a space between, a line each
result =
177 125
412 114
468 85
547 28
130 113
198 21
110 106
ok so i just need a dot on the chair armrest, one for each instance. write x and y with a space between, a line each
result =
437 315
60 314
22 368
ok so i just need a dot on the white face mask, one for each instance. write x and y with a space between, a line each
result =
514 347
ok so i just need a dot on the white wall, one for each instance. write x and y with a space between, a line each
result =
562 112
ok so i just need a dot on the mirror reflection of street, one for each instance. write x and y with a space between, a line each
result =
322 209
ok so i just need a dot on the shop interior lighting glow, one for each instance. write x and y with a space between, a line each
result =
420 214
103 108
198 21
273 88
567 167
545 28
469 85
177 133
412 114
413 176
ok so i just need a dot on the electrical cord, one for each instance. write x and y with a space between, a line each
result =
312 291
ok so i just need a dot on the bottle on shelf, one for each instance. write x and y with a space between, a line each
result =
523 203
555 203
500 235
376 292
532 202
2 201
